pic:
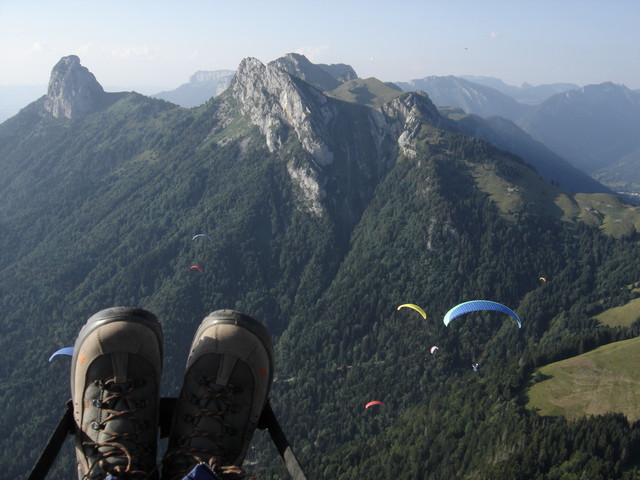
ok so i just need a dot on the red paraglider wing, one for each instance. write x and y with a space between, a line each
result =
375 402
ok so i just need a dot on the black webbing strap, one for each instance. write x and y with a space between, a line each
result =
48 455
167 407
269 421
66 426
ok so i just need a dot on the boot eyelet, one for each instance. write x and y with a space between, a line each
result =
97 426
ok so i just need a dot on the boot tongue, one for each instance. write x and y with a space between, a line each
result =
225 369
120 361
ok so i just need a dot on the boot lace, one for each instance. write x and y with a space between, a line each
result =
213 401
228 472
119 445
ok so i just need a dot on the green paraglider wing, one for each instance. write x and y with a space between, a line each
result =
475 305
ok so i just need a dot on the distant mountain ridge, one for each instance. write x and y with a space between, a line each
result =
593 127
563 131
202 86
324 77
471 97
569 131
526 93
506 135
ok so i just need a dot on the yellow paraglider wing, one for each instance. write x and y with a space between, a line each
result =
415 307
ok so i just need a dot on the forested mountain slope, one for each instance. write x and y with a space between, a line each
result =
324 217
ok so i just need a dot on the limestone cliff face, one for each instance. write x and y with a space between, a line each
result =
405 114
276 102
366 140
73 90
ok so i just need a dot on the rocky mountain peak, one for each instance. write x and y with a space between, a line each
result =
324 77
276 102
406 113
73 90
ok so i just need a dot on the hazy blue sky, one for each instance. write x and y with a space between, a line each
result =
137 43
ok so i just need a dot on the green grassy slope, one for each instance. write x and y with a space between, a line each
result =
368 91
622 316
526 190
609 213
604 380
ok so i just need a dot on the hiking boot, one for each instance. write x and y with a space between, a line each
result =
226 385
115 379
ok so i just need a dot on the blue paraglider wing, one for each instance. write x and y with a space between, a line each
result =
62 351
475 305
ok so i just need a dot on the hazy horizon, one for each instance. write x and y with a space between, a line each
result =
158 45
163 43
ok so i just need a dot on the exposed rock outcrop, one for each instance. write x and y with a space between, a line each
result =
73 90
275 103
280 104
405 115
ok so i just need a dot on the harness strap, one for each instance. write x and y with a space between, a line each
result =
269 421
66 426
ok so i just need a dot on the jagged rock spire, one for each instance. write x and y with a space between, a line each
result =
73 90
